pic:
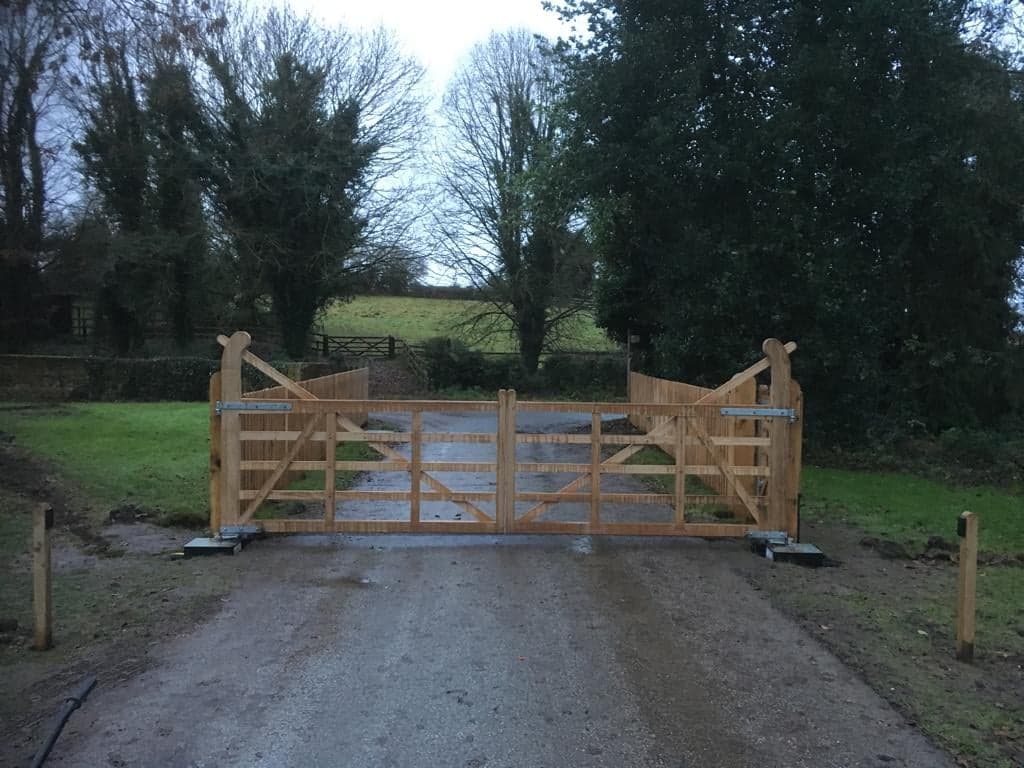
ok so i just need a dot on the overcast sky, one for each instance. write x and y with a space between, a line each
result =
437 32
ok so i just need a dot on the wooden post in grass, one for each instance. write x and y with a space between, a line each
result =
42 583
967 529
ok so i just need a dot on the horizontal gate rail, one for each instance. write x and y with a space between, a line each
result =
484 406
577 439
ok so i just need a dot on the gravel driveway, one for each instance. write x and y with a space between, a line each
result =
492 651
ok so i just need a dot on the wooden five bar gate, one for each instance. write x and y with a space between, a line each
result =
740 450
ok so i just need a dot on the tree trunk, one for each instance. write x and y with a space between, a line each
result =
295 309
531 332
181 314
122 324
34 220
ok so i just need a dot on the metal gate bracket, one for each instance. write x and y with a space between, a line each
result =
243 532
250 406
788 413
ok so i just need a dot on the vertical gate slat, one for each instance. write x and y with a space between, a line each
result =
330 468
231 445
414 468
595 468
680 513
795 460
504 503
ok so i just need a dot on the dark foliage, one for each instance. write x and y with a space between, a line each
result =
849 176
173 378
451 364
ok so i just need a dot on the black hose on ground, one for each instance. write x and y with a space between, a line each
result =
71 703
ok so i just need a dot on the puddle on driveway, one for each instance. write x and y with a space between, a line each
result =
584 545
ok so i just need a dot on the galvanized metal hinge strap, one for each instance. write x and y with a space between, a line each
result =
764 413
250 406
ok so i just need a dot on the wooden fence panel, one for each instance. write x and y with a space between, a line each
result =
347 385
650 389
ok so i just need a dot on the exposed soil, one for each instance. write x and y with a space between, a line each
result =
34 481
890 618
391 378
119 592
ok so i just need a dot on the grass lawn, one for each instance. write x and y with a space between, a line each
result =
154 455
151 454
418 319
968 708
909 509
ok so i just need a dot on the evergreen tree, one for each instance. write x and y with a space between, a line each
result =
849 176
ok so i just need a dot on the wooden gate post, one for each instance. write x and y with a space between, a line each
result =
794 460
231 427
778 517
505 474
215 448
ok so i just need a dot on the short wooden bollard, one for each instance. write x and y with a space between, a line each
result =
967 529
42 591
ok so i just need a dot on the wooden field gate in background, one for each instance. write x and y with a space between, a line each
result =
742 447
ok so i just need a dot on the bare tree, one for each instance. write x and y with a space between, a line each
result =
506 220
34 43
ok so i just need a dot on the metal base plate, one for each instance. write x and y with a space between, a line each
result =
760 540
801 554
205 545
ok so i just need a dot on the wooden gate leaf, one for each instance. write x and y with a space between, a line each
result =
350 426
666 431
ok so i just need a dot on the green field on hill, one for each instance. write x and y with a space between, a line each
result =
417 319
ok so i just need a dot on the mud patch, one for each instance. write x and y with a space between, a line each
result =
116 596
887 550
889 616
